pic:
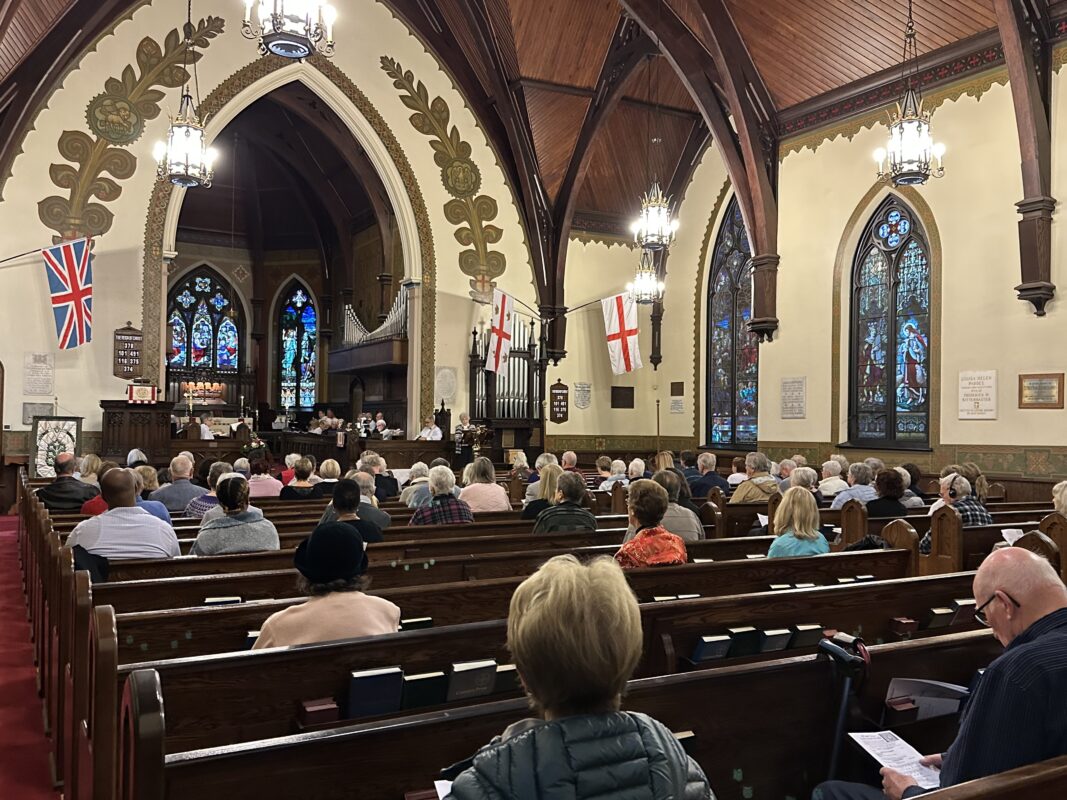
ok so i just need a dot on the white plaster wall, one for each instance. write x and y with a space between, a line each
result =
366 31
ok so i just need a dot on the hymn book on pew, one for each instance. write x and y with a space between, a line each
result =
931 698
424 689
889 750
471 679
222 601
416 623
373 692
774 639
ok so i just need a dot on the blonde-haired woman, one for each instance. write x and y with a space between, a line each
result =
546 492
482 493
90 469
1059 497
979 483
797 524
664 459
574 632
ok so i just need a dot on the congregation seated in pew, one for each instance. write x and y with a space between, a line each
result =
574 633
652 545
385 485
603 471
65 492
566 512
547 486
199 506
616 474
680 521
96 505
237 528
520 467
956 493
1015 716
738 472
260 482
482 493
302 488
149 479
889 486
832 482
331 562
444 507
177 494
805 478
368 509
346 503
796 525
87 470
418 475
330 473
759 485
540 462
124 530
707 478
859 488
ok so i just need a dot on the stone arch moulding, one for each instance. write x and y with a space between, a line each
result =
846 252
372 132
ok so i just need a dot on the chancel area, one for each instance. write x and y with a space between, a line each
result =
557 399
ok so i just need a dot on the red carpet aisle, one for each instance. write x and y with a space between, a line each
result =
23 748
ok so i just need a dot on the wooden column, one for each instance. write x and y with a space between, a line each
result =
1024 33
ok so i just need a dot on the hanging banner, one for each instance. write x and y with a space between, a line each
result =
500 331
620 327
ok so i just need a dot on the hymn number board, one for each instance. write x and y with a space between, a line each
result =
559 402
128 344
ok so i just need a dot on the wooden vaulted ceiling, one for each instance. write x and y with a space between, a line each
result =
550 55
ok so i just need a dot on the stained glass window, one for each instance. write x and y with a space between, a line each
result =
204 324
890 346
733 352
299 337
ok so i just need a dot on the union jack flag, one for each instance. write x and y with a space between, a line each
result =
69 267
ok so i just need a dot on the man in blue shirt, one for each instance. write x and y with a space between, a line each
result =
708 479
859 486
1016 716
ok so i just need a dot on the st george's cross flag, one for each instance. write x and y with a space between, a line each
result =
500 328
69 267
620 326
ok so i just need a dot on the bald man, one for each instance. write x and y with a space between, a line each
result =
177 494
65 492
1017 715
125 530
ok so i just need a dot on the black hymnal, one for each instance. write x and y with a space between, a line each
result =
744 641
964 611
688 596
471 679
803 585
864 578
903 626
424 689
711 647
372 692
780 587
846 580
222 601
756 555
507 679
663 598
250 639
806 635
774 639
416 623
940 617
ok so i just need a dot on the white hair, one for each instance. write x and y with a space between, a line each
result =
442 480
831 468
956 482
134 456
706 461
291 459
570 458
544 460
637 468
519 459
904 476
787 463
618 467
805 477
418 470
241 463
181 466
758 462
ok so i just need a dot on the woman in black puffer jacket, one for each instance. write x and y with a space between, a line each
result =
575 634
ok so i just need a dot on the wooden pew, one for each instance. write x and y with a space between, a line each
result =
744 718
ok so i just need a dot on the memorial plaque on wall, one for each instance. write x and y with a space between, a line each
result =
558 402
128 344
1041 390
622 397
978 394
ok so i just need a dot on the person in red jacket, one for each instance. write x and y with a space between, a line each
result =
652 545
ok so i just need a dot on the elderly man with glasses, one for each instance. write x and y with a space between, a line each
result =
1016 715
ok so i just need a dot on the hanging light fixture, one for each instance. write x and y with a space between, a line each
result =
647 286
654 229
184 158
910 157
290 28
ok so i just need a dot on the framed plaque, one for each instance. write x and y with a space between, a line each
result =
558 402
128 344
1041 390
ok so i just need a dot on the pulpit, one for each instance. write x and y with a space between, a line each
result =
136 425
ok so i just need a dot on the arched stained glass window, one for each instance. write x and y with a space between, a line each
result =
733 352
298 348
890 343
204 324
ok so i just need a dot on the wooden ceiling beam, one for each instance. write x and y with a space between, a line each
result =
1027 56
635 102
698 141
754 196
629 47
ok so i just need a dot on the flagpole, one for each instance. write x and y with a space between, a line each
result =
657 425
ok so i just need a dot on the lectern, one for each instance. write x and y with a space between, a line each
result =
130 425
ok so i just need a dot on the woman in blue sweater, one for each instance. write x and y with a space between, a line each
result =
797 524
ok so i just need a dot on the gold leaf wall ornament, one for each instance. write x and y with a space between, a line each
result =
116 117
462 180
